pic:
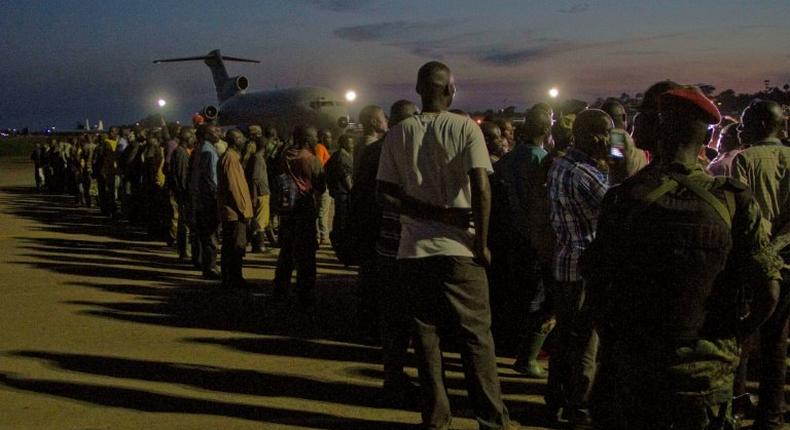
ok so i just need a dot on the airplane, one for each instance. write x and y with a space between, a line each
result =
283 109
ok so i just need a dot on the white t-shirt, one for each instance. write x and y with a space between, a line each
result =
429 156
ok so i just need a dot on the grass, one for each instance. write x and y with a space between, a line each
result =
19 146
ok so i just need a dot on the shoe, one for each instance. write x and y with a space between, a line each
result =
531 369
527 361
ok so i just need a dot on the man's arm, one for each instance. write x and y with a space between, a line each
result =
319 177
761 308
481 212
758 262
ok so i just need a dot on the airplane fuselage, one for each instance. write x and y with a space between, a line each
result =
284 109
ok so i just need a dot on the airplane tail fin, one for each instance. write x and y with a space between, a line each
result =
226 86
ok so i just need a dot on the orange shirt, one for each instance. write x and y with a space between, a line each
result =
322 153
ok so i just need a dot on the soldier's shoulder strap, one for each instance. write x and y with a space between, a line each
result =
672 181
725 210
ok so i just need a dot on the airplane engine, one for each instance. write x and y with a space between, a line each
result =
210 112
237 85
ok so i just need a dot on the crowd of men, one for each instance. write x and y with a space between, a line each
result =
609 235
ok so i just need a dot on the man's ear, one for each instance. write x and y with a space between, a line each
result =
449 90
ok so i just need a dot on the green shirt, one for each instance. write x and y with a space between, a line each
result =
765 168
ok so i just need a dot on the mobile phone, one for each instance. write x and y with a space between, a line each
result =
616 152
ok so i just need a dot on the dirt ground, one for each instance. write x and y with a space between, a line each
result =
104 329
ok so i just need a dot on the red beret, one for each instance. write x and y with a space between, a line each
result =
691 95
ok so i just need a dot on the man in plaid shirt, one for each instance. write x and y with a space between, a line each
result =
576 187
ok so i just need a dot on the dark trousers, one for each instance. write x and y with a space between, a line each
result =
368 293
234 242
651 387
450 296
182 229
773 365
207 230
106 203
85 188
297 247
572 363
396 319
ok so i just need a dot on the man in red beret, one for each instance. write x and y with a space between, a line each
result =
667 240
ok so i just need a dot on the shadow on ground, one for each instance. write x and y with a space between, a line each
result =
114 257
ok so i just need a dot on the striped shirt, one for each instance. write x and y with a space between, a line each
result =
576 190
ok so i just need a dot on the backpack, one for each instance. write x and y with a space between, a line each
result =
681 288
287 192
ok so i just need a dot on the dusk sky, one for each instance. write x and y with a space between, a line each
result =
65 61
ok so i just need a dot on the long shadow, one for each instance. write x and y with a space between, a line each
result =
169 297
146 401
294 347
246 382
211 378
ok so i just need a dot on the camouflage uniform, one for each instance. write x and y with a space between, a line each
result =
673 248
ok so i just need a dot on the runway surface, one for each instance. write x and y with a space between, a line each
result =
104 329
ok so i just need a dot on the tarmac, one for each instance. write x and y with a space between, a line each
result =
104 329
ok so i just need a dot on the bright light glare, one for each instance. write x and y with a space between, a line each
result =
553 93
162 102
351 95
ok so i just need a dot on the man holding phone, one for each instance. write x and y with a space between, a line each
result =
627 159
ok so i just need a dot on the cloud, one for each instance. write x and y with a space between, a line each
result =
439 48
498 57
576 8
629 52
339 5
392 31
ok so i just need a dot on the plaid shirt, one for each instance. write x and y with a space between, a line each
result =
576 190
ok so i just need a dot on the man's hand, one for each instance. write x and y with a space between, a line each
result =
483 254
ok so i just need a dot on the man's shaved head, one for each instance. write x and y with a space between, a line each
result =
761 120
591 132
432 77
616 110
373 120
436 86
305 136
401 110
537 125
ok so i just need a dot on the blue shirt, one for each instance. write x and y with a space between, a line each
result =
207 177
576 190
524 171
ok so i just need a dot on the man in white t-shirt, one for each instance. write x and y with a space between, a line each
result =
434 171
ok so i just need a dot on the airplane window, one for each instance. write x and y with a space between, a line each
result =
322 103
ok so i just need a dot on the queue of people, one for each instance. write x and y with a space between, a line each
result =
607 242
